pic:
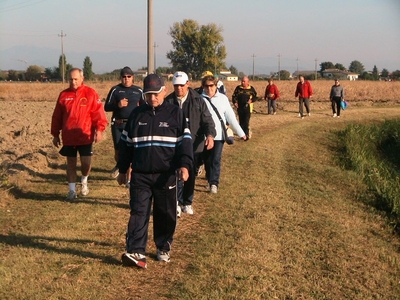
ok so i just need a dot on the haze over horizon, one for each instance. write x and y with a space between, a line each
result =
114 34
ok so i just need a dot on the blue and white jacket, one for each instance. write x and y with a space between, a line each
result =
155 140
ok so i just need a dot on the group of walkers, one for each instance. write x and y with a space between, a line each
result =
160 139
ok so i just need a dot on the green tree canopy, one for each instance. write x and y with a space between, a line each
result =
375 73
196 48
356 67
34 73
283 75
326 65
87 69
12 75
385 73
340 67
233 70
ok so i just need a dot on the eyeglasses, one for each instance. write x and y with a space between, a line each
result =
208 85
126 76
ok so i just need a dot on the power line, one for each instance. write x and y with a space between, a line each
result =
19 5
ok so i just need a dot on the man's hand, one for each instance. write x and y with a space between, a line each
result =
121 179
98 136
123 103
56 141
183 174
236 105
209 142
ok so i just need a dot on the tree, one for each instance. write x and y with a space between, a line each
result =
356 67
196 48
340 67
87 69
366 76
164 70
62 64
385 73
34 73
396 75
12 75
326 65
375 73
233 70
284 75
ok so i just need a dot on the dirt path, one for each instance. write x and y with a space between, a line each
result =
315 242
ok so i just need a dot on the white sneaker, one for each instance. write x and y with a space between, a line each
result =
84 189
309 114
187 209
134 259
163 255
71 196
299 115
214 189
178 210
114 172
334 115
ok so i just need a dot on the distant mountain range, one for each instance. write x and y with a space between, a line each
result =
20 57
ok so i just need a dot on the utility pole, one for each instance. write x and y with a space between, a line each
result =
279 67
150 49
316 61
253 64
62 35
297 60
155 68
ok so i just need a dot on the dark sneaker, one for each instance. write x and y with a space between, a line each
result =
163 256
134 260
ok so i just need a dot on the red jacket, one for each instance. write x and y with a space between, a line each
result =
271 92
78 114
303 90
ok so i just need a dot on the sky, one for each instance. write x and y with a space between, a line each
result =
292 34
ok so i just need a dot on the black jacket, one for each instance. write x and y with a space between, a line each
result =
198 116
117 93
155 140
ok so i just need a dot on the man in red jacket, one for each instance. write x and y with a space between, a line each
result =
304 92
271 95
79 115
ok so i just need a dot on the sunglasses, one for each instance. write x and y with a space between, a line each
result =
126 76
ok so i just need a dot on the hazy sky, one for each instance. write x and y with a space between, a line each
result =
339 31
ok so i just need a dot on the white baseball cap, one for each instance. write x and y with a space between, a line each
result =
180 78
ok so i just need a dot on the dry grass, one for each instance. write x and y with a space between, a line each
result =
356 91
286 223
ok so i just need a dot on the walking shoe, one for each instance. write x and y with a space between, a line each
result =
214 189
114 172
178 210
187 209
134 259
334 115
163 255
84 189
200 170
128 184
299 115
309 114
274 112
71 196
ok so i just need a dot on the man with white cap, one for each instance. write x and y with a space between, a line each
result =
157 142
202 128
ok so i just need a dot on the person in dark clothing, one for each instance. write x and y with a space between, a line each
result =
202 128
157 142
121 100
243 96
336 97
